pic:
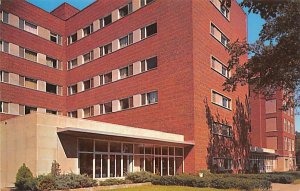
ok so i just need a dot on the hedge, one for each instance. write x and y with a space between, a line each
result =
214 182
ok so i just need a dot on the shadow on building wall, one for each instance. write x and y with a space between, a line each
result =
233 145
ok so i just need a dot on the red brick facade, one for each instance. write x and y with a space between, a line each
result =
183 78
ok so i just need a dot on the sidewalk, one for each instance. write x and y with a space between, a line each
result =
285 187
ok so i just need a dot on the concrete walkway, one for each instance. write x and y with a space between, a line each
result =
285 187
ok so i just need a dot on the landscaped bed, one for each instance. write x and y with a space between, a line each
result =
57 181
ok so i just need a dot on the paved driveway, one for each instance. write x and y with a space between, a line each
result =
285 187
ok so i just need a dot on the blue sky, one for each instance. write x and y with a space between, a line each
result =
254 22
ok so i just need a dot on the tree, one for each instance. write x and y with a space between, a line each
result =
275 61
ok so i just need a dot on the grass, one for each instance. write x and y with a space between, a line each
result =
168 188
297 181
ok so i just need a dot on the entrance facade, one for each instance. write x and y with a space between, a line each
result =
111 159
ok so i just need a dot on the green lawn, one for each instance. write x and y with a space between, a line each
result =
168 188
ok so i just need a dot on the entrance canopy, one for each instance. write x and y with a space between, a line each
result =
132 134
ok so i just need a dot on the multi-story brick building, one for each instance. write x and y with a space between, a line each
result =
272 128
145 75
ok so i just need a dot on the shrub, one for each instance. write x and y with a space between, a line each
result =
25 179
140 177
46 182
55 170
112 181
213 181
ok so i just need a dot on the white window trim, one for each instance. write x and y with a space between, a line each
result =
212 90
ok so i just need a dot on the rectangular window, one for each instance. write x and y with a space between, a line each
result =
30 83
72 114
88 57
27 54
148 30
105 21
105 49
88 84
217 34
105 108
53 63
4 76
55 38
87 30
29 27
285 143
148 64
72 64
3 107
127 9
50 88
51 111
145 2
126 103
72 89
4 46
222 8
221 100
88 112
219 67
29 109
149 98
125 41
72 38
127 71
5 17
221 129
107 78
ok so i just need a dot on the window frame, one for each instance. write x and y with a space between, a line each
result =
70 38
213 27
2 19
145 64
229 100
144 33
87 30
129 10
129 40
103 19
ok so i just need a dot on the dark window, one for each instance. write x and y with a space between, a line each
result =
88 57
72 89
127 71
29 109
5 17
4 46
148 64
105 21
105 49
21 24
50 88
51 111
149 30
3 107
72 63
145 2
125 41
87 30
126 103
125 10
105 108
72 114
88 84
51 62
107 78
72 38
4 76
